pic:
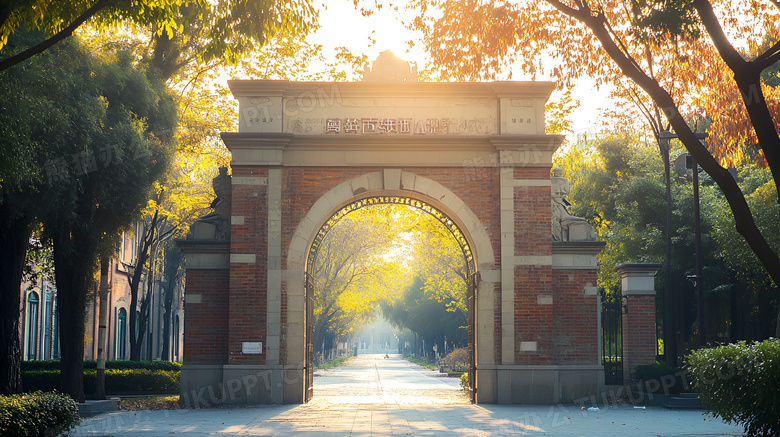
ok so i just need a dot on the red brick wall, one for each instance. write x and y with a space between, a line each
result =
533 214
575 318
639 336
533 322
248 281
206 323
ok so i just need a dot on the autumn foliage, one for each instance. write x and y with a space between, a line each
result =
679 64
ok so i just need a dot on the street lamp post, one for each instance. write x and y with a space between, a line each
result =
670 334
670 324
692 164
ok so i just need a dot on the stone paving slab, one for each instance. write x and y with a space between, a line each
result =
376 397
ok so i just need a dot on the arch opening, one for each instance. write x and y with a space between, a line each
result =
467 272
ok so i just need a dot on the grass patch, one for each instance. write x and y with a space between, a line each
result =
150 398
421 362
335 363
150 403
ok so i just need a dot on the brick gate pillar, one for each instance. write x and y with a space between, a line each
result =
639 331
206 323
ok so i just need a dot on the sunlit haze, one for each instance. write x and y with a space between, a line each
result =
344 26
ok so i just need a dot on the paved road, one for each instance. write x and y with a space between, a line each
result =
372 396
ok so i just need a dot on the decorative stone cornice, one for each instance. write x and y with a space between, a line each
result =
578 247
520 150
500 89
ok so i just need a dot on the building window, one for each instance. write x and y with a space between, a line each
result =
56 352
32 325
176 338
122 248
134 243
121 335
47 322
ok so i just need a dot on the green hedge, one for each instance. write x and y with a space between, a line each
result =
740 383
37 414
135 381
658 378
92 364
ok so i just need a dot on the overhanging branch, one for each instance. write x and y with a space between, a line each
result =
57 37
767 58
730 55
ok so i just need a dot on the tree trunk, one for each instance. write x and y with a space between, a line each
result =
165 354
100 387
136 336
14 241
733 314
145 252
167 310
74 268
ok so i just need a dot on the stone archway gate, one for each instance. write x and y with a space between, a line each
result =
477 152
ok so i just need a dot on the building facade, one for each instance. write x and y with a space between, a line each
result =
38 324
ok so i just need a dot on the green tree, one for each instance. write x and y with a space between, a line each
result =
617 184
138 116
427 317
34 130
753 292
92 173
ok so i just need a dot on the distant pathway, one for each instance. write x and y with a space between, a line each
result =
373 396
372 379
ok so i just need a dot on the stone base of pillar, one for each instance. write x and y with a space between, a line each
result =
211 385
539 384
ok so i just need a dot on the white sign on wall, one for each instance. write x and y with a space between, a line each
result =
252 347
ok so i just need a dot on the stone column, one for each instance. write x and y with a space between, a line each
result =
639 329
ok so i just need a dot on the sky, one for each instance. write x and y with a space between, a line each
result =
343 25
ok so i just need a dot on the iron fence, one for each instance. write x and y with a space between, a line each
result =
612 336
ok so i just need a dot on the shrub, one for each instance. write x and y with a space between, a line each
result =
117 381
37 414
740 383
658 378
458 356
464 381
92 364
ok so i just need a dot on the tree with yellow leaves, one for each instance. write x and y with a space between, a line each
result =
672 58
371 256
